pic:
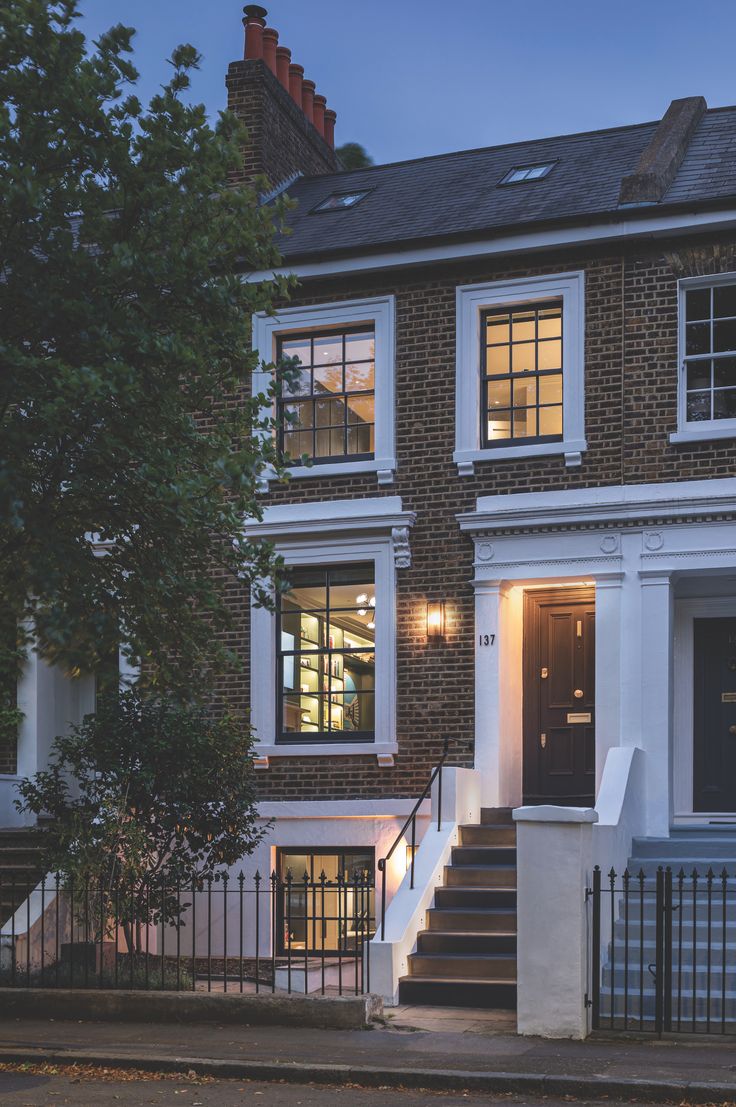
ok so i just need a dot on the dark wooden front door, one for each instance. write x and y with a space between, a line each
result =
559 696
714 715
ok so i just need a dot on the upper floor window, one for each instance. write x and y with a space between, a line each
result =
327 654
707 342
521 173
522 383
328 411
339 201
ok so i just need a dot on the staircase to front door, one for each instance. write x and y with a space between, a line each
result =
467 955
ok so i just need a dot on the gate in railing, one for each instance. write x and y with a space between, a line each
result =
663 951
262 934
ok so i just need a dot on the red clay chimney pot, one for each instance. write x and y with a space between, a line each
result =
270 42
283 57
330 117
320 103
308 88
296 76
254 21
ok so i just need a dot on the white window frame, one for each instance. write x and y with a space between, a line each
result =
712 428
471 301
380 313
332 533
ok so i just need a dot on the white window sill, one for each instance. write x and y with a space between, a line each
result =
571 449
704 433
383 751
385 468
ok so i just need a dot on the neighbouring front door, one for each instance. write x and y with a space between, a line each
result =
559 696
714 715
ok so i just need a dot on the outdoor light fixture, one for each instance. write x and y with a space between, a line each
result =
436 620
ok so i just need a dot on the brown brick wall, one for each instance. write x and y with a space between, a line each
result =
8 758
631 386
282 140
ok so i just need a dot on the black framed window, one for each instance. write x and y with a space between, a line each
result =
710 353
327 916
328 412
521 360
327 655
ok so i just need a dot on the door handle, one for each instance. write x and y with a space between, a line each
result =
543 740
732 730
578 693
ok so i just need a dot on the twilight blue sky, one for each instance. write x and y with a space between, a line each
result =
417 77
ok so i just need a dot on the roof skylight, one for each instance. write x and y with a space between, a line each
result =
521 173
338 201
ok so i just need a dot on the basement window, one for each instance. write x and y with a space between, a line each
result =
521 173
339 201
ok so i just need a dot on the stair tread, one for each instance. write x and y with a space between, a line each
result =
492 981
469 933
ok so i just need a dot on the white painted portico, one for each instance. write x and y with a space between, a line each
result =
653 552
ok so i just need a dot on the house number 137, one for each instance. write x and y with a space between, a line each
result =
486 639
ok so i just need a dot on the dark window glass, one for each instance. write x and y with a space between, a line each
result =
521 357
710 353
327 655
327 899
339 201
328 411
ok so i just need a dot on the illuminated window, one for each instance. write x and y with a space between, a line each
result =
327 655
328 411
333 909
521 359
709 359
521 173
338 201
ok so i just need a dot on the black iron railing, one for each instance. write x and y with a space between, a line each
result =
412 822
663 951
220 934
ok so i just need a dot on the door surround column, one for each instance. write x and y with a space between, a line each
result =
498 638
657 619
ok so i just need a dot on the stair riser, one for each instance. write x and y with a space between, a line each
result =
483 855
440 942
481 877
449 920
459 898
488 836
495 816
469 968
450 994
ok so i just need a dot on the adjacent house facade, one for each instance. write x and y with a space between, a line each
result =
511 519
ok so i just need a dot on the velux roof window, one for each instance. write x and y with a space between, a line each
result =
521 173
338 201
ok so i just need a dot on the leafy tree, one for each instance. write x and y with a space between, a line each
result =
148 793
124 357
353 156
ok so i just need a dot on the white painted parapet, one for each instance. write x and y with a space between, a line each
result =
406 913
556 850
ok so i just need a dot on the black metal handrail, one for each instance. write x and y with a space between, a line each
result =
412 820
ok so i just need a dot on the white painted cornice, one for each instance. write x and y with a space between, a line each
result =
378 513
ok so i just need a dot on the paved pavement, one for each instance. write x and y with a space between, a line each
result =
467 1051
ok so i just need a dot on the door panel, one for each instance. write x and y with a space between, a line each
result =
559 696
714 715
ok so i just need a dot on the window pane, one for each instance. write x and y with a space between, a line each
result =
298 416
499 394
330 413
360 409
698 406
697 304
698 374
550 389
550 421
497 329
523 357
724 300
724 372
525 422
522 327
353 711
550 323
525 391
327 349
724 403
328 378
297 347
497 360
359 347
297 444
361 439
697 338
359 378
724 335
550 355
499 425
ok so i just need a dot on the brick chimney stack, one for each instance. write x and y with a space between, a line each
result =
291 128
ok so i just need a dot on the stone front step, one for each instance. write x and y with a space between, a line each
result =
449 992
469 941
469 966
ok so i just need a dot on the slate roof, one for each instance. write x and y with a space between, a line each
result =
458 195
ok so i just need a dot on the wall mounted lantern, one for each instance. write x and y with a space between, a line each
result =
436 620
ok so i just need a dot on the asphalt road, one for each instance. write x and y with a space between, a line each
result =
36 1090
